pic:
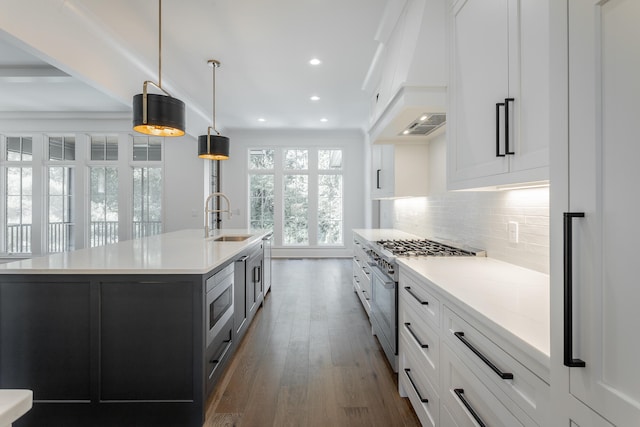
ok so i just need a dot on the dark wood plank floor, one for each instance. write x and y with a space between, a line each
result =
309 358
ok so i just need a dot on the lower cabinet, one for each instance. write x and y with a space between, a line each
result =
361 276
455 374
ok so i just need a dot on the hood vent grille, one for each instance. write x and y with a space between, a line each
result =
425 124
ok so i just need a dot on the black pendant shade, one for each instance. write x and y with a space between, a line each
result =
215 148
165 115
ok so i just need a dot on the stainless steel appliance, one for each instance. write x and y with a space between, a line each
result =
219 301
382 257
219 323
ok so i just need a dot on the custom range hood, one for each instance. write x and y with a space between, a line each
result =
414 114
408 75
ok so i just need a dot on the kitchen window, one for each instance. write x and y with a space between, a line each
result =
299 194
103 190
60 225
261 189
147 186
18 201
330 195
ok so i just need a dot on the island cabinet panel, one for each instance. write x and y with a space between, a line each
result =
146 341
45 339
105 350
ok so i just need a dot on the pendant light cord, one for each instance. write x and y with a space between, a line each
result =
160 43
214 99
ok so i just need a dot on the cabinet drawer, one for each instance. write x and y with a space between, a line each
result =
421 339
415 295
413 383
363 295
524 388
467 401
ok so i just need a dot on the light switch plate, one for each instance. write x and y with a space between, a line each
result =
513 232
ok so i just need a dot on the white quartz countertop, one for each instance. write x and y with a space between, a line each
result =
513 298
13 405
179 252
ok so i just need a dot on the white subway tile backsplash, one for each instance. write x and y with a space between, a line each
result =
480 219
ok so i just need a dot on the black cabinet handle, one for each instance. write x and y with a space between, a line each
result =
222 353
494 368
365 295
422 399
415 337
408 289
498 105
507 101
378 179
568 291
460 393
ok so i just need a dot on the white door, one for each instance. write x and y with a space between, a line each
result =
480 79
604 165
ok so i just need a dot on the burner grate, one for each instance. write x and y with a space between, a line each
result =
422 247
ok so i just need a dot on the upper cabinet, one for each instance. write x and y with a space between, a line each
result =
498 93
399 171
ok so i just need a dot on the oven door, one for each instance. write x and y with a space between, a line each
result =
219 306
384 305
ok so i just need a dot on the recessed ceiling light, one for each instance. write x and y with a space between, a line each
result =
423 118
405 132
315 61
262 119
315 98
324 120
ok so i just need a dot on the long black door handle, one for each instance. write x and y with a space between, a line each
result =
415 337
460 393
568 291
507 130
422 399
378 179
489 363
416 297
498 105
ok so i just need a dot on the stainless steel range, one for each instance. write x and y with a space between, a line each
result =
384 283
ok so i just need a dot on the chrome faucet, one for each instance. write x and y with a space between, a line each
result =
208 211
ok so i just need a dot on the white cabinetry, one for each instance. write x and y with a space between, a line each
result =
361 275
595 175
498 93
399 170
456 374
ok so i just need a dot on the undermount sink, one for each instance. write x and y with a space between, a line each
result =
232 238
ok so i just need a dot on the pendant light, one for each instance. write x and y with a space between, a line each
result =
213 147
159 115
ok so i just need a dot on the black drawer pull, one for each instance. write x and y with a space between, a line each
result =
460 393
422 399
503 375
415 337
222 353
365 295
408 289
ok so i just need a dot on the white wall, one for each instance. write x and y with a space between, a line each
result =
478 219
234 181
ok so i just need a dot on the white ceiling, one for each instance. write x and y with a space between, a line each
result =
93 55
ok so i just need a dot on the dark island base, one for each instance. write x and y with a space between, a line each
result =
110 350
112 415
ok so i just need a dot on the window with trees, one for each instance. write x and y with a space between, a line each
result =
147 186
261 189
18 195
60 230
306 186
103 190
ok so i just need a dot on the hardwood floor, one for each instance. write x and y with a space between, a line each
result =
309 358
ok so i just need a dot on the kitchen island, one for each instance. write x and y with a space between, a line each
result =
116 335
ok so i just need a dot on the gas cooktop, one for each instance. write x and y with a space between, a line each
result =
425 247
